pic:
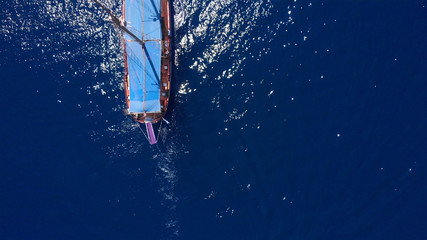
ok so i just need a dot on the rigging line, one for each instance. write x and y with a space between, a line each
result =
146 36
151 64
158 149
133 28
152 11
132 58
136 31
139 125
145 49
155 9
139 9
131 84
144 73
143 55
136 60
155 44
160 128
136 75
142 19
119 23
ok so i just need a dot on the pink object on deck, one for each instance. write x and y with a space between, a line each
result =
150 132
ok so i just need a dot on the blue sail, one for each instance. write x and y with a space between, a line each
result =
143 19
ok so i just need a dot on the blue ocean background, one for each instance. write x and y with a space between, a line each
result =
288 120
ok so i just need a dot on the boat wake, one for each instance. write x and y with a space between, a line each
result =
213 40
166 174
73 43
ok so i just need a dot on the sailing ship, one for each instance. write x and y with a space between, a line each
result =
147 54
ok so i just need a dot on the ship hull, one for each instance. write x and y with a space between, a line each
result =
165 74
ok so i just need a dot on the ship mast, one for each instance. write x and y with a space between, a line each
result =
120 24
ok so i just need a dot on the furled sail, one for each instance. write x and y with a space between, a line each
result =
143 19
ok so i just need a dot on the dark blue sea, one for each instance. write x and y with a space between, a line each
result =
288 120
